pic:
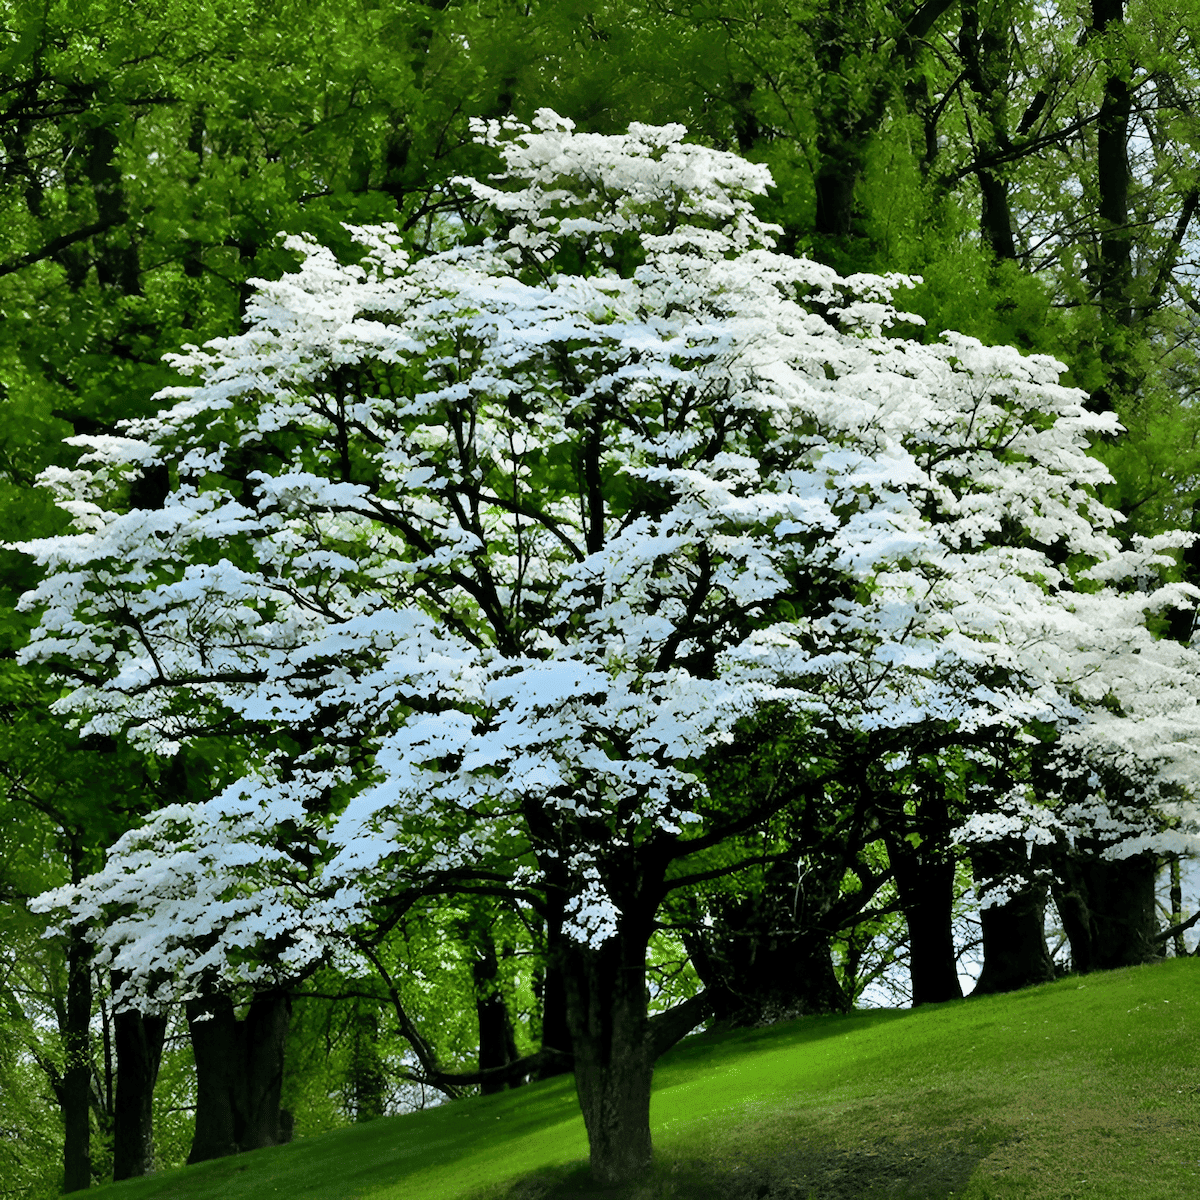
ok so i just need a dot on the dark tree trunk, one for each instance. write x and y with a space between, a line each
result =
614 1051
766 955
75 1090
556 1034
497 1045
1015 954
835 185
983 46
1070 898
924 878
996 218
1113 273
139 1042
1107 910
1177 904
215 1045
1113 175
239 1074
845 44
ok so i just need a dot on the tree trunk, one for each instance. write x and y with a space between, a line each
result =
1015 954
996 220
1107 910
497 1045
1113 175
139 1042
766 956
75 1092
983 46
239 1074
614 1052
1177 904
556 1034
1113 273
924 878
756 976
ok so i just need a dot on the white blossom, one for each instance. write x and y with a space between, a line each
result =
525 537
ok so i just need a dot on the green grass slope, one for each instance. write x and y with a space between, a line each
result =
1087 1087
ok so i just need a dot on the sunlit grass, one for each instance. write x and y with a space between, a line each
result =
1088 1087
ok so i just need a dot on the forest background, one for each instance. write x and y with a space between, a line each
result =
1035 165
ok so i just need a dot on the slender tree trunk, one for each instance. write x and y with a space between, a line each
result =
239 1074
1113 175
983 45
924 878
1015 954
556 1032
614 1052
1113 273
1177 905
367 1081
497 1045
77 1076
74 1092
139 1042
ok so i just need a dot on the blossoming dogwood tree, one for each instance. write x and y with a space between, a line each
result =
505 551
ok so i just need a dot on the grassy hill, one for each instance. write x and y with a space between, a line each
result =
1087 1087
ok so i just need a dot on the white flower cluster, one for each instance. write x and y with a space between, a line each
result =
535 520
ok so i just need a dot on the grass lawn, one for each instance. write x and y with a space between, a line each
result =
1087 1087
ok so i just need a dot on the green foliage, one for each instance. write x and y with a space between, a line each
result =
30 1138
30 1134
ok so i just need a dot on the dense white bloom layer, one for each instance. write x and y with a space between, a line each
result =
518 531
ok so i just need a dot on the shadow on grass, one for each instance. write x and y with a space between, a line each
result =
918 1169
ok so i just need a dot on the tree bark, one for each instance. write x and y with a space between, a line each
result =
239 1074
849 108
984 49
614 1051
497 1044
556 1051
139 1042
1113 273
1113 175
1015 954
367 1080
766 955
1107 910
75 1092
924 878
1177 904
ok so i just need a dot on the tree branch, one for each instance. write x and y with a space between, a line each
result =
1182 927
666 1028
61 242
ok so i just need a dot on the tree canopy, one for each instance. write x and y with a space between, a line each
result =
545 559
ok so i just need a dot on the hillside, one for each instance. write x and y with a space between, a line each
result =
1087 1087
